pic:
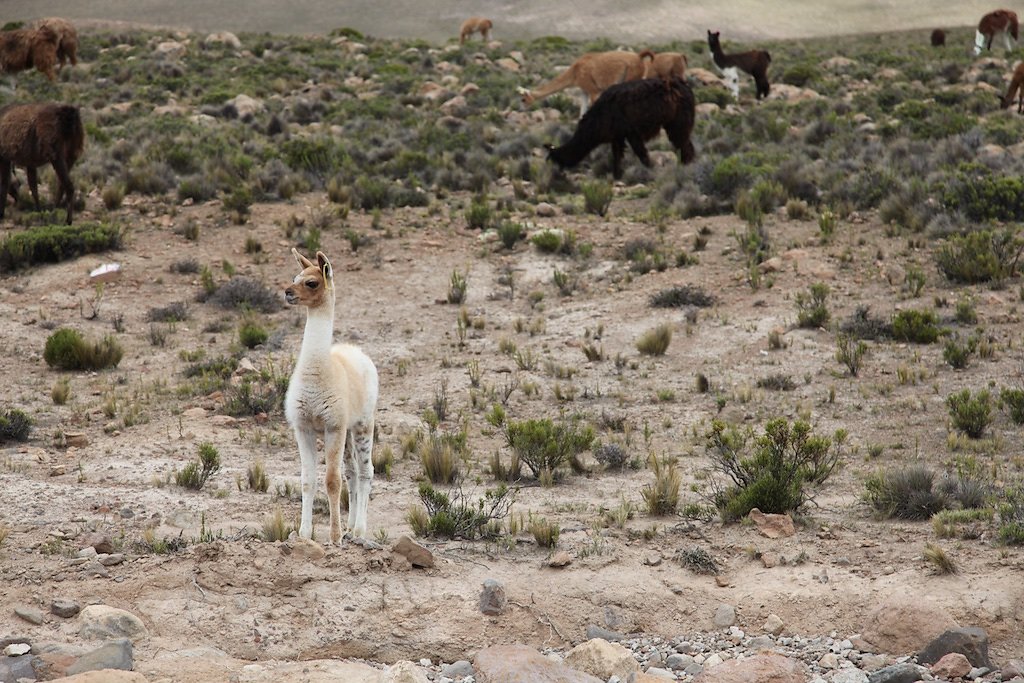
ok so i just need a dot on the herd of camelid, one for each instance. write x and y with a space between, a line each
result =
333 390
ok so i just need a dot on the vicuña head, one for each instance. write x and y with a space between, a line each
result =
332 395
314 286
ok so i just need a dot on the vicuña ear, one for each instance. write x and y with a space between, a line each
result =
325 265
300 259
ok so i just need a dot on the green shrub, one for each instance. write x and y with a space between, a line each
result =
983 196
196 473
662 496
454 515
67 350
1011 516
812 311
800 74
545 533
171 313
681 296
850 352
918 327
479 214
15 425
547 241
55 243
245 292
959 355
970 414
905 492
1013 401
457 287
982 256
251 334
545 447
775 473
510 232
597 196
654 342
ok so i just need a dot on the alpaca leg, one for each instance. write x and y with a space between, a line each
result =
617 152
307 458
979 42
1008 41
67 189
680 139
33 185
732 80
334 446
359 486
5 184
636 143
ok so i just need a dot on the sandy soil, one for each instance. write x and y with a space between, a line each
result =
252 601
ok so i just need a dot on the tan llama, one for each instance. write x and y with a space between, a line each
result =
333 395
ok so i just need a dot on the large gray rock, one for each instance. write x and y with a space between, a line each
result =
104 622
897 673
971 642
901 628
115 654
14 668
522 664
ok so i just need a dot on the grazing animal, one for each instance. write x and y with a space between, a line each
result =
633 112
24 48
938 38
1000 21
67 39
754 62
1015 90
665 65
473 25
332 394
32 135
592 73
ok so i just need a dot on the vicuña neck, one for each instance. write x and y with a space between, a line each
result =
318 335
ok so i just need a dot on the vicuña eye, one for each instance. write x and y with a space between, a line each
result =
312 284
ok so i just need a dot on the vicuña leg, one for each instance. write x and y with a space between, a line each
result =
307 457
359 469
334 446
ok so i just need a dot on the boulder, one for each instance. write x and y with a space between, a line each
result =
768 667
971 642
953 665
602 659
772 526
104 622
523 664
902 627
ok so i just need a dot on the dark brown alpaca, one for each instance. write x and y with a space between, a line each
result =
32 135
633 112
754 62
24 48
1015 90
1000 21
67 38
938 38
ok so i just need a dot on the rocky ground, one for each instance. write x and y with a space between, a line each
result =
845 596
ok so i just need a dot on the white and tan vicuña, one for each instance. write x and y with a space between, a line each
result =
332 394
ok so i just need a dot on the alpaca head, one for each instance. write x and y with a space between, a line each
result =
713 41
314 286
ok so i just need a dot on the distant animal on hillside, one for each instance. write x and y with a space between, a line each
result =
32 135
23 48
754 62
67 38
633 112
473 25
938 38
664 64
996 22
592 73
1015 89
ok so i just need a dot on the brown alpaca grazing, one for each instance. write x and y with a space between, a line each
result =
592 73
24 48
473 25
67 39
32 135
938 38
996 22
754 62
1015 90
665 65
633 112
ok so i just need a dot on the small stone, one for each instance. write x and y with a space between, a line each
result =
761 643
459 669
545 210
87 552
677 661
771 525
725 616
953 665
903 672
29 614
105 622
115 654
303 548
594 631
560 559
101 542
652 559
829 661
17 649
111 560
65 609
492 598
773 624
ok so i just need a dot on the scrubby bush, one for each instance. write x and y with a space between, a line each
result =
655 341
681 296
245 292
612 456
251 334
597 196
454 515
905 492
812 311
662 496
1013 401
171 313
982 256
15 425
67 350
958 354
55 243
912 325
197 472
774 471
546 447
970 414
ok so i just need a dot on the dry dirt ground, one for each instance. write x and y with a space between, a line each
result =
246 598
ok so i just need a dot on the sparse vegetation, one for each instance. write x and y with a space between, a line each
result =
196 473
67 350
905 492
654 342
15 425
970 414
